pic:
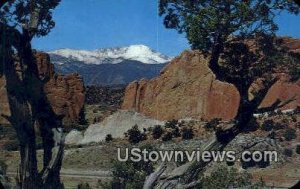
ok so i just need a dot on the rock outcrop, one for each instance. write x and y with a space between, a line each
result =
187 88
116 125
66 94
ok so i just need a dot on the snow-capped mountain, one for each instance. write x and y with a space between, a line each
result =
112 66
139 53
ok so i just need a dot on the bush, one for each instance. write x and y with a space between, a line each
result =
212 124
12 146
223 177
267 125
3 167
135 135
288 152
298 149
290 134
278 126
129 174
168 136
272 135
108 138
84 186
187 133
252 125
297 110
171 124
157 132
176 132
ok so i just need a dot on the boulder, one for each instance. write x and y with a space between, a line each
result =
187 88
66 94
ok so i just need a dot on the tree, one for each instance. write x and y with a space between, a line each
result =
20 22
239 40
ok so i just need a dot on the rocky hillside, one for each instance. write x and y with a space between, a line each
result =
104 95
187 88
66 94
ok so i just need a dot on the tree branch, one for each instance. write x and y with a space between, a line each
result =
153 177
2 3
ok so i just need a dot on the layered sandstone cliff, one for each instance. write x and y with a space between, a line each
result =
187 88
66 94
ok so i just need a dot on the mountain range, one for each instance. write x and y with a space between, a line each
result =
110 66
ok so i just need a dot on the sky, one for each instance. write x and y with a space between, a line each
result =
94 24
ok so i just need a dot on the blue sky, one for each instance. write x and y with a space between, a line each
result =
92 24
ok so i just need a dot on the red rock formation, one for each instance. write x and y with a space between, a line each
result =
66 94
187 88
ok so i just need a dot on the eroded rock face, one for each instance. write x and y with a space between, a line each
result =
187 88
116 125
66 94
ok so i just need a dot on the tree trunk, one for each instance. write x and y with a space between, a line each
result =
28 105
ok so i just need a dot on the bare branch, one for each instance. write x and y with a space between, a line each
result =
2 3
153 177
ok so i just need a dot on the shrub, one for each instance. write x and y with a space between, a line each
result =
171 124
176 132
252 125
297 110
135 135
168 136
129 174
288 152
157 132
278 126
290 134
108 138
224 177
212 124
84 186
298 149
3 167
187 133
267 125
294 118
12 146
272 135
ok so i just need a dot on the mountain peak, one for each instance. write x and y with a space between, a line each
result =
141 53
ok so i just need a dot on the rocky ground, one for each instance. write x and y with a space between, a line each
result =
92 161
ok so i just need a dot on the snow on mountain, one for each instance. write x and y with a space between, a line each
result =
139 53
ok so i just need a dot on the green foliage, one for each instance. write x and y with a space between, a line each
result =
279 126
3 167
176 132
135 135
212 124
224 177
290 134
267 125
239 40
20 13
168 136
108 138
82 120
171 124
187 133
298 149
84 186
204 21
129 175
288 152
12 145
157 132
